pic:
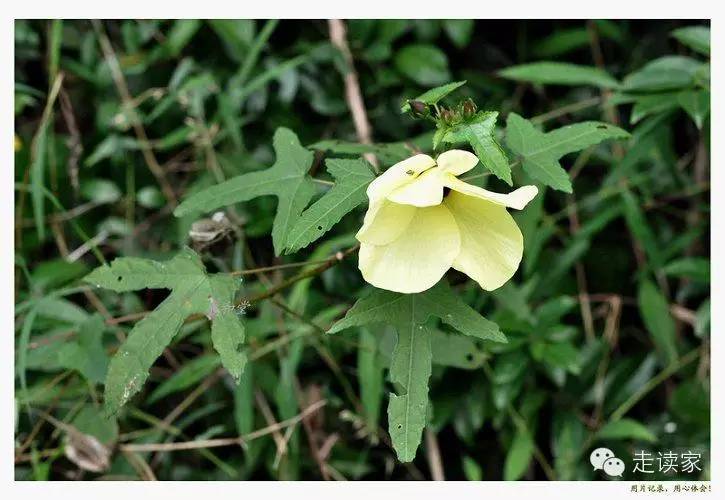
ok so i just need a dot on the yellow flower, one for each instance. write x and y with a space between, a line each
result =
423 220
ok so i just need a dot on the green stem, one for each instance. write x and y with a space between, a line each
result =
654 382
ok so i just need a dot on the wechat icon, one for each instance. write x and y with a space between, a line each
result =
604 459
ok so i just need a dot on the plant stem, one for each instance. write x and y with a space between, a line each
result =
337 258
654 382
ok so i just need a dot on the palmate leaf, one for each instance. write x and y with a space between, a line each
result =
479 133
541 151
193 291
287 179
410 365
351 179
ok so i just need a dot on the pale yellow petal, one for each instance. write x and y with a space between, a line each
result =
398 175
418 258
384 222
491 242
517 199
425 191
457 161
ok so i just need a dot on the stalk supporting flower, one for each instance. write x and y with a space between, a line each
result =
422 220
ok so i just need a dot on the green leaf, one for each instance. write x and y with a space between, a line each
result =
100 191
665 73
150 197
351 179
287 179
387 153
370 377
38 166
702 319
637 224
471 469
568 441
411 360
541 151
626 428
655 312
690 403
561 42
479 133
696 103
459 31
382 306
695 37
410 368
697 268
424 64
188 375
648 104
455 350
433 95
518 457
86 354
237 35
92 422
558 355
557 73
192 292
180 35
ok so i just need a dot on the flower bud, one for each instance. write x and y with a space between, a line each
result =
418 107
469 108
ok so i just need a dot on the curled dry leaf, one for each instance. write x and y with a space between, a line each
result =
87 452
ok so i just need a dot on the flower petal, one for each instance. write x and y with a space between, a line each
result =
384 222
457 161
398 175
419 258
491 242
425 191
517 199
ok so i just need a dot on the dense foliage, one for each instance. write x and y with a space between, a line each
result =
222 165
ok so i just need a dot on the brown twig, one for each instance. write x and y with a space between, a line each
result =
337 258
215 443
127 99
353 96
433 453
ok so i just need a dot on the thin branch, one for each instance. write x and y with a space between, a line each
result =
337 258
353 96
128 104
654 382
433 453
215 443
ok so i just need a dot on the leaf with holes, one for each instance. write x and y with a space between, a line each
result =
351 179
541 151
411 360
193 291
287 179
